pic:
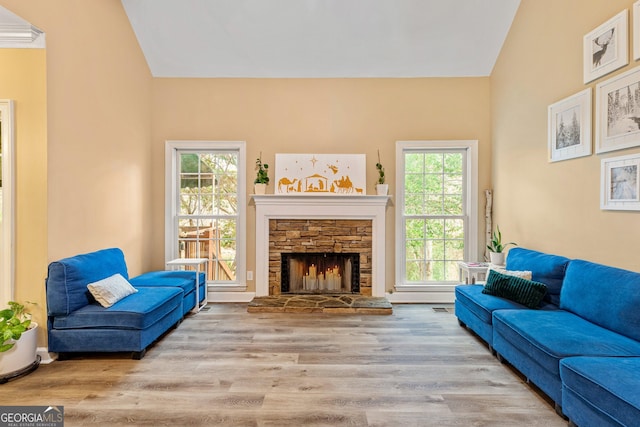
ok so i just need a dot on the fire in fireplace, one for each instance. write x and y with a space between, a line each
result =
317 273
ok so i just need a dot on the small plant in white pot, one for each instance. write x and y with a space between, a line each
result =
262 177
496 247
18 342
381 188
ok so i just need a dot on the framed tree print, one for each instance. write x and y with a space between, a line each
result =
570 127
618 112
606 48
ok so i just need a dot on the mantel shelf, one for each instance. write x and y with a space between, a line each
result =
311 199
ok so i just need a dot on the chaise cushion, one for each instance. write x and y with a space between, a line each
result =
137 311
545 268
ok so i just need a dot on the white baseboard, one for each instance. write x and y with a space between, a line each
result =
214 297
45 356
421 297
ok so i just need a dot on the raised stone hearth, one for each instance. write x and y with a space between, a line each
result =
337 304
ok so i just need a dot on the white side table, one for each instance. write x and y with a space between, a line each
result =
194 262
471 272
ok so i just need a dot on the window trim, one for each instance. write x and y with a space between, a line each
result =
471 202
172 148
7 262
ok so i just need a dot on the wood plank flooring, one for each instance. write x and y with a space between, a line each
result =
227 367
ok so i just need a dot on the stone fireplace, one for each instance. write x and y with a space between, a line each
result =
319 225
312 253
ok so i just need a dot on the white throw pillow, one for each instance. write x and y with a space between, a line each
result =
111 290
521 274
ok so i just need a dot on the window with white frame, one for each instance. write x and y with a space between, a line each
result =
436 219
205 212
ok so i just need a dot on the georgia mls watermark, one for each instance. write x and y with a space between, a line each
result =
31 416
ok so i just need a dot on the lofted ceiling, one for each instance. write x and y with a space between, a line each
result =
321 38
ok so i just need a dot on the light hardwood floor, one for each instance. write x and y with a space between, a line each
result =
227 367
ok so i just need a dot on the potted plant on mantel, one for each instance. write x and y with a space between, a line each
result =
496 247
18 342
262 176
381 188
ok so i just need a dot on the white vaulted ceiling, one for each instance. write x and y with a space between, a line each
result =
321 38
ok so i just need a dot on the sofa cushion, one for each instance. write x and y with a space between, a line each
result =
68 278
111 290
548 336
610 386
480 304
525 292
545 268
181 278
137 311
606 296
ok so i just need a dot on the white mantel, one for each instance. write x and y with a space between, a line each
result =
275 206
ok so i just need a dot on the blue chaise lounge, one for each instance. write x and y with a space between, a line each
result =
77 323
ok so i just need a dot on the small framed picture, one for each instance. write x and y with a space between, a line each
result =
636 30
606 48
570 127
618 112
619 183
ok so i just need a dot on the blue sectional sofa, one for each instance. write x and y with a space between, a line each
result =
77 323
581 346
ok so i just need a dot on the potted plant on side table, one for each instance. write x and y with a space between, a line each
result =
262 177
381 188
496 247
18 342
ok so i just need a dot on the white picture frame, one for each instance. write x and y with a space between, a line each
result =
636 30
321 174
620 180
606 48
569 126
617 127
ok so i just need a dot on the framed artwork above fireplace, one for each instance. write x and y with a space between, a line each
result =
321 174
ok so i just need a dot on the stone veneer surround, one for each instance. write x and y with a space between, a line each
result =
319 236
327 207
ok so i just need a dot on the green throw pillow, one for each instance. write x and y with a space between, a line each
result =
523 291
495 280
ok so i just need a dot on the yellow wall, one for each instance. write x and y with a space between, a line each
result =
318 116
98 128
24 81
553 207
86 184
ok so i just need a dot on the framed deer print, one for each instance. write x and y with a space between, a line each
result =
618 112
606 48
570 127
619 180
